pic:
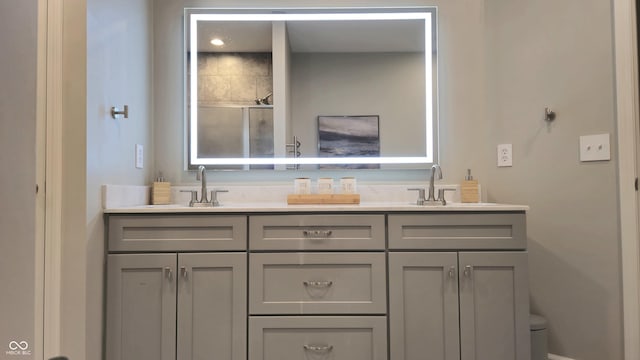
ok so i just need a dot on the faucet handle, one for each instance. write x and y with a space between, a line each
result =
441 195
194 196
214 196
421 199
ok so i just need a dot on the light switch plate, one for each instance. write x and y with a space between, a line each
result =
505 155
139 156
595 148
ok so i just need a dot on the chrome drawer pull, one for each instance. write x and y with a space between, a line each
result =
317 234
318 348
184 272
318 284
168 273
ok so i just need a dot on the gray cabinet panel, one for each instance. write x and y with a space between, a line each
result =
317 232
141 307
317 283
212 309
423 306
494 306
177 233
303 337
463 231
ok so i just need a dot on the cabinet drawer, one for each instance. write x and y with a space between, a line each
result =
177 233
302 337
458 231
317 283
317 232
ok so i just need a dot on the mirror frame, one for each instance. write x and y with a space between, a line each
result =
193 15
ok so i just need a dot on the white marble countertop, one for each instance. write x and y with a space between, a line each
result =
283 207
272 199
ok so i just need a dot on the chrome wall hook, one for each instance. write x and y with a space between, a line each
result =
115 112
549 115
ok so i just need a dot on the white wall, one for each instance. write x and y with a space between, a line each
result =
559 54
18 26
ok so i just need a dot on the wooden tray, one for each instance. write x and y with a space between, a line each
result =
308 199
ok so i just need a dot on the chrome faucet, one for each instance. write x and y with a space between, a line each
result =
202 176
436 174
204 200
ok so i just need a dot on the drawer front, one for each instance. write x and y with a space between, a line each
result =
301 337
503 231
317 283
177 233
317 232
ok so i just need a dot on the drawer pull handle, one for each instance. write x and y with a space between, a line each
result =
318 284
317 234
184 272
168 273
318 348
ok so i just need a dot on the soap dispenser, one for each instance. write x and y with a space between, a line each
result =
469 189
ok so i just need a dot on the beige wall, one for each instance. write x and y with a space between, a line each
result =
559 54
501 63
118 72
18 26
461 77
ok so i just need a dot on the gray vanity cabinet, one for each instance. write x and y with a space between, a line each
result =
192 305
469 302
317 287
168 300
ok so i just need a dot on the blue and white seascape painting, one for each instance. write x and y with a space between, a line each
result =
349 136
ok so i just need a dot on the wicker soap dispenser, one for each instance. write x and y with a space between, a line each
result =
469 189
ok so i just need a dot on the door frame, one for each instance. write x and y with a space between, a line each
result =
50 89
626 86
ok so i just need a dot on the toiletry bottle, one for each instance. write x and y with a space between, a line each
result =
469 189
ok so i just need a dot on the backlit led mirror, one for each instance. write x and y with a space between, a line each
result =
309 89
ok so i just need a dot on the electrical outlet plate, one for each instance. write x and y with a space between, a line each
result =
139 156
595 148
505 155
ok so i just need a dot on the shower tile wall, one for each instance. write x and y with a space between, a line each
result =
233 78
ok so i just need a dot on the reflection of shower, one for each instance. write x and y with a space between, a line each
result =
264 100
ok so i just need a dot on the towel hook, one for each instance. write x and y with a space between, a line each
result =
115 112
549 115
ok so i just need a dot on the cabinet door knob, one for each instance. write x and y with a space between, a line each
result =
468 271
168 273
452 272
184 272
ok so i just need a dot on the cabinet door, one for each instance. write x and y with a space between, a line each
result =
141 307
494 306
423 306
212 306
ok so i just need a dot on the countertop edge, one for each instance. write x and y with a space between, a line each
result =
284 208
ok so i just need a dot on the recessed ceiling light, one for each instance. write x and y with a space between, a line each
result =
217 42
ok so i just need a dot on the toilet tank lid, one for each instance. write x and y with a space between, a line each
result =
537 322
